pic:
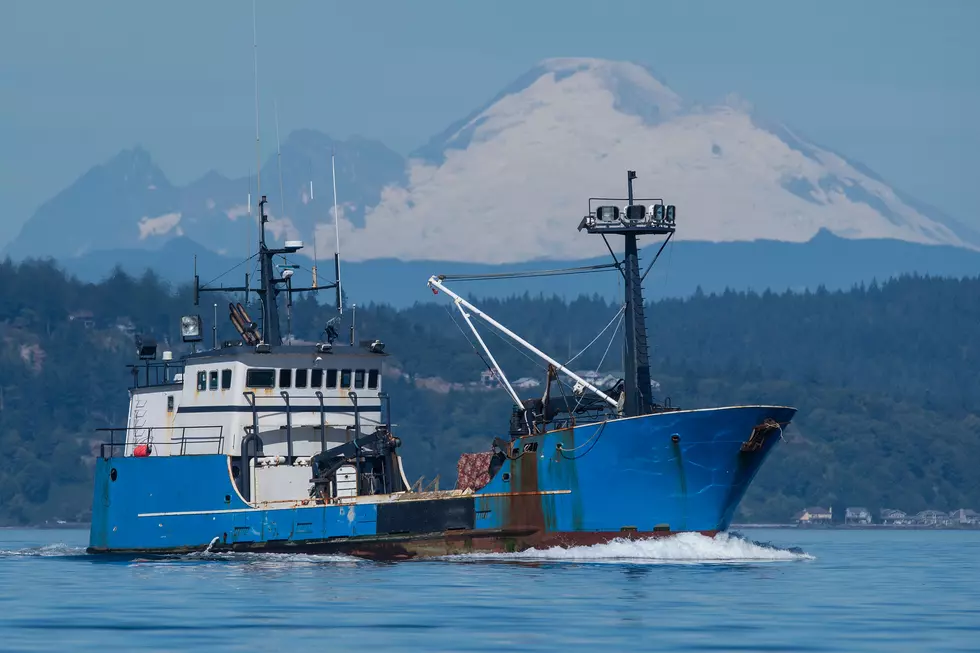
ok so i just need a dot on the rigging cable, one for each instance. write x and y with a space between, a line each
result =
593 440
518 349
231 269
599 335
478 352
602 360
530 273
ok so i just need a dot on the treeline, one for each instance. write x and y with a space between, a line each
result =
884 377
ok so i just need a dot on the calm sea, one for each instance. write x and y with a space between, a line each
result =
767 590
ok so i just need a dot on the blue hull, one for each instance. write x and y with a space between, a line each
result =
634 477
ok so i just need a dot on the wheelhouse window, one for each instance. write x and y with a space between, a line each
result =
331 378
213 380
225 379
316 378
344 378
359 379
373 378
285 378
202 381
260 378
301 378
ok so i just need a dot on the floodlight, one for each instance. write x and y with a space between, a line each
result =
658 213
607 213
190 328
635 213
671 215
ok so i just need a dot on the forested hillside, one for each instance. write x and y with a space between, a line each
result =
884 377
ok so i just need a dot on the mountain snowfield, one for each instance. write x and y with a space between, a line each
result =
512 181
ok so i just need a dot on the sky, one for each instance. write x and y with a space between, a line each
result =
893 84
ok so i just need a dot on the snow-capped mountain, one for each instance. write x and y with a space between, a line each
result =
509 183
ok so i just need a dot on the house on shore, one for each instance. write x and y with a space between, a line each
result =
892 517
965 517
932 518
815 515
857 516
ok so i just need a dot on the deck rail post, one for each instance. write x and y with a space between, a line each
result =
251 437
323 423
386 402
289 428
357 434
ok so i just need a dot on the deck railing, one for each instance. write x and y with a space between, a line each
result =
166 436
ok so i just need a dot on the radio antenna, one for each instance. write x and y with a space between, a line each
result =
249 225
336 224
314 225
255 77
282 200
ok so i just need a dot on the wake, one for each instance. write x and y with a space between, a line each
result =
47 551
683 548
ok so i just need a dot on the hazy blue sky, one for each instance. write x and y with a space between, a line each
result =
894 84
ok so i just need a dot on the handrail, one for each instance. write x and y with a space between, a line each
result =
289 428
181 440
386 402
327 398
357 434
323 423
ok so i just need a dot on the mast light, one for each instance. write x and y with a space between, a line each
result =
190 328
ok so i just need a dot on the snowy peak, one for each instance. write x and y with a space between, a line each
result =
633 89
509 182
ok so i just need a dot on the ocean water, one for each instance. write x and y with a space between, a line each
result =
763 590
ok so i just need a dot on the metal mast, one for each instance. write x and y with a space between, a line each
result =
636 220
267 290
269 283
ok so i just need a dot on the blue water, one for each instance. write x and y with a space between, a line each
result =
804 591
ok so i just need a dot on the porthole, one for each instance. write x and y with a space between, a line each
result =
113 474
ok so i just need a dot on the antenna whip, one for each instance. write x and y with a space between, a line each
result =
336 223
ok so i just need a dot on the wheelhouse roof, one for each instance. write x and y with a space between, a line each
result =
247 355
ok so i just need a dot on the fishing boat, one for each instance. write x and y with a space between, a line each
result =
267 444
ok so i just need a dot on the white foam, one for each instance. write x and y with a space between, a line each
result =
683 548
46 551
261 557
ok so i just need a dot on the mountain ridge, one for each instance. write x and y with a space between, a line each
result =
826 261
516 169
